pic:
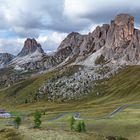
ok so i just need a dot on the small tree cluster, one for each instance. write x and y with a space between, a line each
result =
77 126
80 127
37 119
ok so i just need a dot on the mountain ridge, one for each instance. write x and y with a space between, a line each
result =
118 42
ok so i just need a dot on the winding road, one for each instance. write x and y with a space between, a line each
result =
77 115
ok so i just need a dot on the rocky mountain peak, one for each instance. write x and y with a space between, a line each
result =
30 46
73 40
125 24
124 19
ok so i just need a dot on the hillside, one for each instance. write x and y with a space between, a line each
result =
121 89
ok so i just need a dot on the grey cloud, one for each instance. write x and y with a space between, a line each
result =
106 14
36 16
49 15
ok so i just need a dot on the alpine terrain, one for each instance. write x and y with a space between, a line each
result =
96 76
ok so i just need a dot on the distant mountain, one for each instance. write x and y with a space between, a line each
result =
30 46
30 56
5 58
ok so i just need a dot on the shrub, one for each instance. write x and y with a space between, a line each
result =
80 127
37 119
72 122
83 126
17 122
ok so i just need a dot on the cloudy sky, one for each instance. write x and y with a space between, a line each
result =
49 21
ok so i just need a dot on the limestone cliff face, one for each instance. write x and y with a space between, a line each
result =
67 51
122 42
118 42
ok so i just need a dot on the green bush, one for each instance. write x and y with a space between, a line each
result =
72 123
17 122
83 126
80 126
37 119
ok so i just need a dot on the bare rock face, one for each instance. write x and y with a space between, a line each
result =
121 30
122 42
74 39
118 42
30 46
69 48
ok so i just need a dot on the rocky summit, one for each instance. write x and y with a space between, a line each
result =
30 46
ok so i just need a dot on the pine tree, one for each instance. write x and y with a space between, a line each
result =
78 127
83 126
17 122
37 119
72 122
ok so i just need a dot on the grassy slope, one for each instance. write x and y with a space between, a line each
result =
123 88
120 89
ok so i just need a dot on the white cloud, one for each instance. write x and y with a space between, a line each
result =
51 41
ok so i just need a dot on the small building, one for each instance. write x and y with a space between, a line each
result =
4 114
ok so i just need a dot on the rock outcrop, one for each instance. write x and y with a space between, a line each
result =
122 42
118 42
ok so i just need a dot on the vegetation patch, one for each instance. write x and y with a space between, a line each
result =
10 134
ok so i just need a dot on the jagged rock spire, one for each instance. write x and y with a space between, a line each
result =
30 46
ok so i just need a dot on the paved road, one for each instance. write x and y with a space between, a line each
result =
77 115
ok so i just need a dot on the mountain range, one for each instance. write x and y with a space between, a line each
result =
95 56
118 42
